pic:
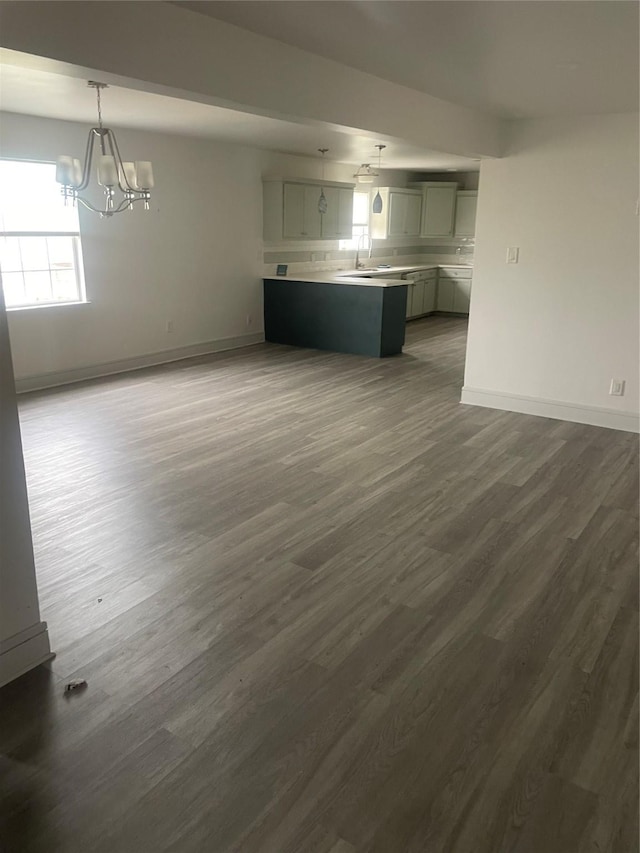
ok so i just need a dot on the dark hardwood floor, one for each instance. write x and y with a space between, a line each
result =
324 608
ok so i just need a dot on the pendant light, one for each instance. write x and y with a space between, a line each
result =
365 174
322 201
377 202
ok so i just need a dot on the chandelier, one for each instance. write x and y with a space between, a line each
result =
134 180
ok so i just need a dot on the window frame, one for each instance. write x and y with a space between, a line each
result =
76 245
352 243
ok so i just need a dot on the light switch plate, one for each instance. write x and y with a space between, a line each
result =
512 254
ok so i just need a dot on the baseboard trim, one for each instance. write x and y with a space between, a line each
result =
24 651
592 415
95 371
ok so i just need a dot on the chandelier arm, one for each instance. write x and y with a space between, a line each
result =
122 206
88 205
86 171
113 142
125 204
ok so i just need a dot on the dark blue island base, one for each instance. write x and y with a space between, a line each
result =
361 319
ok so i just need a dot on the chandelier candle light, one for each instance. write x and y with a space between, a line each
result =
134 180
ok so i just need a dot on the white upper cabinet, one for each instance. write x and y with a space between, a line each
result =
466 205
438 207
400 216
337 222
300 212
290 210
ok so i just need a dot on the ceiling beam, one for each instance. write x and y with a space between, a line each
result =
160 47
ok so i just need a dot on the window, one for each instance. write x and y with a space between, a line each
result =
360 220
40 254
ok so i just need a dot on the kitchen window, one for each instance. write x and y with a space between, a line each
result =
40 251
360 221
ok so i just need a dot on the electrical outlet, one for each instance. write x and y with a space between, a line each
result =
617 388
169 326
513 252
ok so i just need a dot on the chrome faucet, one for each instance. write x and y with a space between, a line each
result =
359 264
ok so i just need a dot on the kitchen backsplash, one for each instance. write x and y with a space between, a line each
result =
311 258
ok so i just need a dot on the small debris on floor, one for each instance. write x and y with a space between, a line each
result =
99 600
75 684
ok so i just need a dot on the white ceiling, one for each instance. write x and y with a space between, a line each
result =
510 58
51 94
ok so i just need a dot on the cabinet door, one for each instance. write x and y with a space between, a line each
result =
330 221
312 219
337 222
445 294
429 301
410 292
412 216
461 296
300 212
439 206
345 214
293 210
418 299
466 205
397 214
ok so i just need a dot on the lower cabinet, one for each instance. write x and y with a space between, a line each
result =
446 292
462 296
454 291
429 303
414 298
421 294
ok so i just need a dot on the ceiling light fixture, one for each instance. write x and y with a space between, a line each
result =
365 174
377 202
322 201
134 180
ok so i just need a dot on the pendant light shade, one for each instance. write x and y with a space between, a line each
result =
322 201
377 202
365 174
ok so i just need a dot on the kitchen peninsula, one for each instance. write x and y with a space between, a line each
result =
349 313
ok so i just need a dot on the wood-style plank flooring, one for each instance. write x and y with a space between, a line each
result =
324 608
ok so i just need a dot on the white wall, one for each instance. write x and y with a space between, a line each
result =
563 322
195 258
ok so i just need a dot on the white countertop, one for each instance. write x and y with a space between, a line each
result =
360 277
